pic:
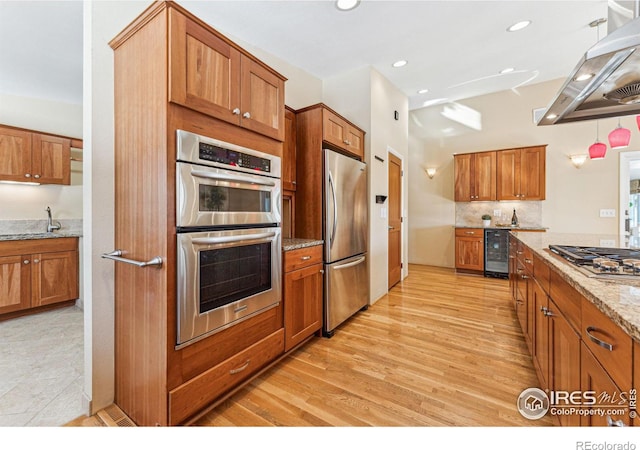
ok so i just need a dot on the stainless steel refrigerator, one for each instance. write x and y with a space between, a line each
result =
345 234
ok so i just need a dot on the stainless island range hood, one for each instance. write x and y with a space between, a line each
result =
606 81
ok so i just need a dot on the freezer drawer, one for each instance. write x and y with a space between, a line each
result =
346 290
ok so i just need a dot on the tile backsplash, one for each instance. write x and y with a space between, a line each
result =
470 213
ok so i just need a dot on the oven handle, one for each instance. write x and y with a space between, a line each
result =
227 177
228 239
116 255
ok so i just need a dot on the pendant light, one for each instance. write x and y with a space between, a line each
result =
620 137
638 121
597 150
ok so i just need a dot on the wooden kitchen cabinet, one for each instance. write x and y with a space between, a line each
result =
174 72
338 131
475 176
541 335
36 273
211 75
521 173
469 243
289 151
29 156
311 139
303 276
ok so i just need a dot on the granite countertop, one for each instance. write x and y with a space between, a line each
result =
618 299
27 236
504 227
296 243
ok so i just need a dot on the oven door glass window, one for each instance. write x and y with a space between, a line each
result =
232 199
234 273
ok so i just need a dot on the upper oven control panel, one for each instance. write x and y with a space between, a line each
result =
217 154
198 149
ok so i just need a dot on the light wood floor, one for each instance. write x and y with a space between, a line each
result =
441 349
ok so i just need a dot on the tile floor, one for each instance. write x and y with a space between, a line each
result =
41 369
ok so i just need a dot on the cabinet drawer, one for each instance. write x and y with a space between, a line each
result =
541 273
466 232
302 257
611 346
31 246
567 298
192 396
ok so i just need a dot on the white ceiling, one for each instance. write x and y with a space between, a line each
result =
454 48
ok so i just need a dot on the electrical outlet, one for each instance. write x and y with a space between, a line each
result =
607 243
607 213
497 213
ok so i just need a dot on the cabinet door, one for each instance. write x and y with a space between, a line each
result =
355 141
564 359
462 167
15 289
541 336
595 378
485 176
508 174
15 155
522 290
51 159
289 152
334 129
54 277
532 173
303 304
204 70
470 253
262 100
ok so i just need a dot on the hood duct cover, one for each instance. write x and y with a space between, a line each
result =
614 88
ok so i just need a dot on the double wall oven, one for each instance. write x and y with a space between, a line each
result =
228 235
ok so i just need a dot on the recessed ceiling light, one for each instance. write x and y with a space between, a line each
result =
400 63
583 77
448 130
423 91
346 5
507 70
519 26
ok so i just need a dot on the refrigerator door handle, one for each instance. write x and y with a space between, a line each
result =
350 264
335 210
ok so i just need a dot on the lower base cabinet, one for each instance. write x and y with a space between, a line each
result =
302 294
469 244
36 273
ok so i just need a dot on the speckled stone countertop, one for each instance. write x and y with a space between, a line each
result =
503 227
619 300
27 236
296 243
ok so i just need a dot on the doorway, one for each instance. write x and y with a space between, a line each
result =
629 226
395 219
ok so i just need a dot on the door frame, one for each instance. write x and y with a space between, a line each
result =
624 179
403 213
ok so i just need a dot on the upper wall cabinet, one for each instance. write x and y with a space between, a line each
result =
209 75
339 132
475 177
34 157
521 173
511 174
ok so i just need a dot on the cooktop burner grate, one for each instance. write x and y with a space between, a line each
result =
602 261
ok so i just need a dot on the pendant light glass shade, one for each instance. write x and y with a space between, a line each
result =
638 121
597 150
620 137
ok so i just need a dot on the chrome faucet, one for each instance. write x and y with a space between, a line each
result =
50 225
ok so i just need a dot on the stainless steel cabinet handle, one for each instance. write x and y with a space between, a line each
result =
351 264
601 343
240 309
227 239
36 261
236 111
469 232
234 178
247 115
548 313
116 255
36 176
26 261
528 261
321 271
241 368
305 258
525 277
614 423
27 175
519 252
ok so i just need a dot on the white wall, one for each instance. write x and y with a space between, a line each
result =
367 99
573 196
29 202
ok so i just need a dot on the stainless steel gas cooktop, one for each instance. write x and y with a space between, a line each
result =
602 262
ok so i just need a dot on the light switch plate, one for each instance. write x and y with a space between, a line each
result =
607 213
383 213
497 213
607 243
